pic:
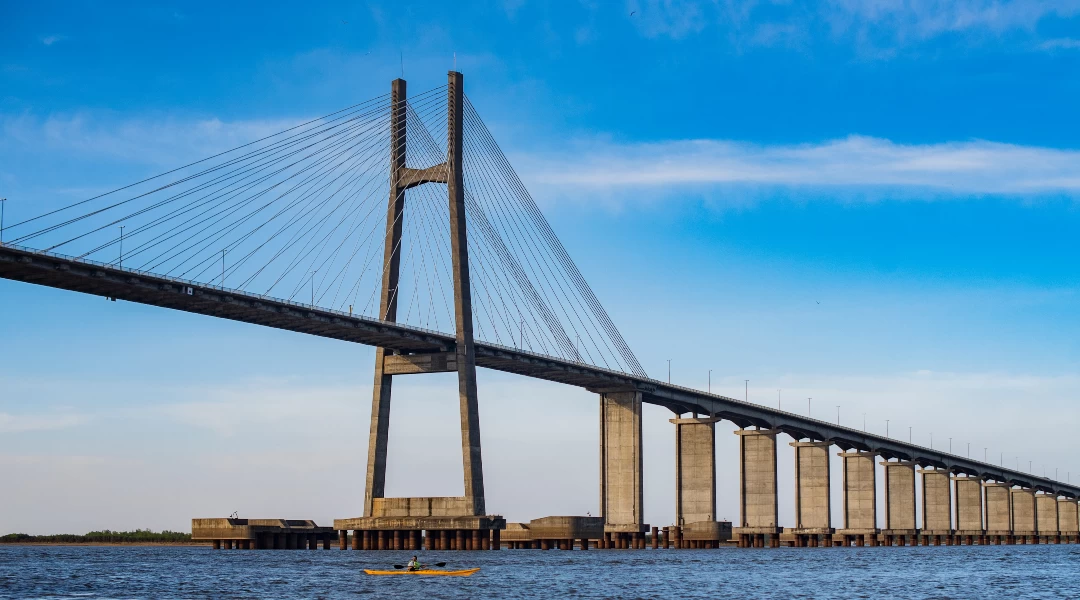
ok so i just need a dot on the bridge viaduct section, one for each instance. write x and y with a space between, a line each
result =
991 504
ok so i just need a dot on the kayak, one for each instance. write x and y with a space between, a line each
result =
463 573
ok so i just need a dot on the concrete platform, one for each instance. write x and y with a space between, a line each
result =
715 531
481 532
559 532
261 534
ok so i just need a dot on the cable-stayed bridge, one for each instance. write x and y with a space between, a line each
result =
399 223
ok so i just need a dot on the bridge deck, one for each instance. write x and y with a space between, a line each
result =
51 270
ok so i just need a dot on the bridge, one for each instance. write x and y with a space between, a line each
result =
465 272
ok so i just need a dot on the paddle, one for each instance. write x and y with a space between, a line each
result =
438 564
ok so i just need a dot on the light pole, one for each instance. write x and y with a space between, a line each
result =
984 454
2 201
950 445
886 428
223 268
909 434
969 450
777 399
710 381
808 408
931 440
864 421
669 370
837 415
746 390
121 246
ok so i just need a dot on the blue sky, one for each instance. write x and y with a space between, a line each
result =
868 203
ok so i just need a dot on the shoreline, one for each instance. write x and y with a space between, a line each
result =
196 544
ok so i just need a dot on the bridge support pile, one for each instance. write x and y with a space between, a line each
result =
621 471
813 505
757 489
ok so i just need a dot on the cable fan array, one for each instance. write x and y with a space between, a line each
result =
301 215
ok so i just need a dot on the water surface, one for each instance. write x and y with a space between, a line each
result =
200 572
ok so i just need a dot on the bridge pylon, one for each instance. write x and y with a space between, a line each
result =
440 514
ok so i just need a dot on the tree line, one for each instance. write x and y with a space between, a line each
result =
100 537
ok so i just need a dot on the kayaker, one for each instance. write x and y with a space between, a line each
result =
414 565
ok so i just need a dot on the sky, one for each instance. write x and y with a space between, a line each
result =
870 204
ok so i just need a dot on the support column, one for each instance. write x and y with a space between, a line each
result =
695 470
860 497
969 507
620 462
899 500
1023 512
936 502
757 483
1068 521
1046 515
813 502
496 539
998 510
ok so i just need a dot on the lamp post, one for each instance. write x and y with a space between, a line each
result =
2 201
837 415
909 434
669 370
808 408
710 381
777 399
864 421
886 428
121 246
746 390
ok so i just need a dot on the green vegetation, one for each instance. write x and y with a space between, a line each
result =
139 536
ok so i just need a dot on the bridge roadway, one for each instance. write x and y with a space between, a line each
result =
57 271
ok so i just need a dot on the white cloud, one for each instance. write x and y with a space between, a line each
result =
10 423
166 141
875 28
49 40
974 167
1060 44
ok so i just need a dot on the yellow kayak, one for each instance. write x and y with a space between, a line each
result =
463 573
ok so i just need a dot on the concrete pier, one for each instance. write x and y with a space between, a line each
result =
813 502
860 499
621 496
695 470
1023 515
1046 518
936 507
1068 520
757 489
900 524
998 512
969 509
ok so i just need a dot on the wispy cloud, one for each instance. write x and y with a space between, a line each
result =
49 40
1060 44
874 28
10 423
167 141
974 167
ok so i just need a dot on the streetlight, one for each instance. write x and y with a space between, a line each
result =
864 421
984 454
886 428
909 434
777 399
969 450
950 445
808 408
837 415
931 440
121 246
2 201
669 370
222 267
746 390
710 381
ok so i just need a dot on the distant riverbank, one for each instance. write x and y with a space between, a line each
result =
139 537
